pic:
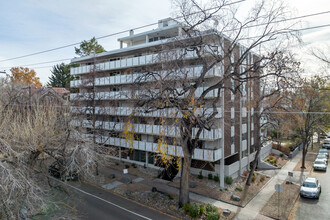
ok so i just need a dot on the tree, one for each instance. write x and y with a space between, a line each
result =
176 90
30 141
24 76
322 55
91 112
87 48
61 76
282 72
308 109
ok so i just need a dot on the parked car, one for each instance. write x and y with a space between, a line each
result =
326 143
320 165
311 188
322 157
54 170
325 152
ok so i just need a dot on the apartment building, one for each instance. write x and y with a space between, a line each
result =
225 150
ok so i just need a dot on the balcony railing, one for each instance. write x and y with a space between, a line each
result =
199 154
127 111
168 131
193 72
128 94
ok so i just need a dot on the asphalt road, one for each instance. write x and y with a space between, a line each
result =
313 208
96 204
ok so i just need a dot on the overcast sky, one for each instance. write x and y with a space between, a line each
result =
29 26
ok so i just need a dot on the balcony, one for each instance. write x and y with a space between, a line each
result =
199 154
162 130
128 94
193 72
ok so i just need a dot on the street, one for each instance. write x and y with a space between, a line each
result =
313 208
96 203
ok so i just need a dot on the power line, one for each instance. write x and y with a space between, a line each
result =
144 26
105 36
66 106
294 30
53 61
247 38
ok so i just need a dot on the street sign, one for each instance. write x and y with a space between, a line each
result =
278 188
125 171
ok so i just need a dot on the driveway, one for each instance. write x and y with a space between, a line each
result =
313 208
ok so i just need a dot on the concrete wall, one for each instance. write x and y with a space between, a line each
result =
295 152
265 150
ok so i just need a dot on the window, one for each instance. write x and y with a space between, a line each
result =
244 136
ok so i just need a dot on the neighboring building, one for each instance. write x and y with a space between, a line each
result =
49 95
226 150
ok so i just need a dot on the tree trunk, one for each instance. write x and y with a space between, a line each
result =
254 166
303 157
184 181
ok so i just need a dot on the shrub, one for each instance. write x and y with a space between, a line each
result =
200 175
262 178
226 189
170 197
228 180
213 216
216 178
281 155
210 208
194 210
270 158
117 163
201 210
144 166
126 166
239 189
210 176
134 165
273 161
253 178
186 207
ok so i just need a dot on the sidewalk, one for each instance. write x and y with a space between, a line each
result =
250 211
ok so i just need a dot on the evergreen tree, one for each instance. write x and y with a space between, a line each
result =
61 76
89 47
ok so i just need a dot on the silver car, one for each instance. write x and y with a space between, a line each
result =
322 157
326 143
311 188
324 151
320 165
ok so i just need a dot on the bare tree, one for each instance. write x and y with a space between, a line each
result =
93 112
322 55
283 73
212 36
31 140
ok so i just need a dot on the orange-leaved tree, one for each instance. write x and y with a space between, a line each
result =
24 76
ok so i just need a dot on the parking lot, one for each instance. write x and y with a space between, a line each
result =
316 208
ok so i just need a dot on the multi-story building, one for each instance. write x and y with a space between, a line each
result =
225 150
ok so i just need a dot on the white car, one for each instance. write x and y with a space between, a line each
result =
320 165
324 151
326 143
310 188
322 157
